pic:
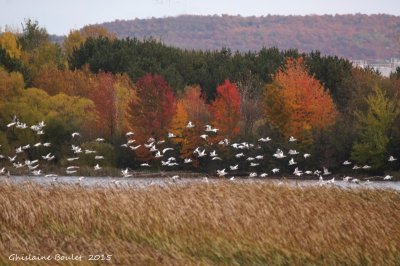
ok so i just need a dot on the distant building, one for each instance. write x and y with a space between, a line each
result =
385 67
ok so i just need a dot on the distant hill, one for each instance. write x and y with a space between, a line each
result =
351 36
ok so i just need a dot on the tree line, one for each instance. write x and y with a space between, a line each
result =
102 86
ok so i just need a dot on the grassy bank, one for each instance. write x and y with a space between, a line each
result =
206 224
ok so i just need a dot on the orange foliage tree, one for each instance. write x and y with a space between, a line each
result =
73 83
192 107
111 94
297 103
226 110
152 112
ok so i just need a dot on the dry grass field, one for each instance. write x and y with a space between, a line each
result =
203 224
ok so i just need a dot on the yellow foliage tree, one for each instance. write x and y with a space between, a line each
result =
9 43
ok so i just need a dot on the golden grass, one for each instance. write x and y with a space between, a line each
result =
203 224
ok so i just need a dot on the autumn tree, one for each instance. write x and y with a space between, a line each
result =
63 115
72 41
297 103
73 83
95 31
226 110
11 84
191 107
152 112
8 42
374 129
111 94
77 37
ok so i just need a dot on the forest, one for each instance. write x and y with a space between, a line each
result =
103 87
354 36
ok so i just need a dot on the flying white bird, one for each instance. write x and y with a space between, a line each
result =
213 153
292 139
190 125
239 155
264 175
37 144
331 181
130 133
387 177
97 167
392 159
135 147
298 172
99 157
125 173
171 135
11 124
149 145
70 171
201 153
279 154
37 172
292 162
293 152
326 171
18 165
221 172
153 148
275 170
346 162
347 178
234 167
27 146
145 164
306 155
167 149
75 134
253 174
48 157
187 160
204 136
264 139
99 139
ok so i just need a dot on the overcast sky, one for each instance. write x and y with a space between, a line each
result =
58 17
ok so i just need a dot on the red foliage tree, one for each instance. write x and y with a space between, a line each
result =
151 114
226 110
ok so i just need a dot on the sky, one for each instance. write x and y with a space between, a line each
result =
59 17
